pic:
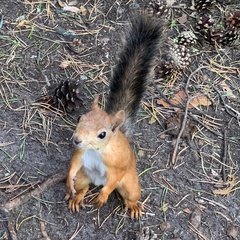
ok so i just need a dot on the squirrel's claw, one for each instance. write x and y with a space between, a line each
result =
75 203
101 199
135 209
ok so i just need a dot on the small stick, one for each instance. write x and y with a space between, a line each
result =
174 156
224 155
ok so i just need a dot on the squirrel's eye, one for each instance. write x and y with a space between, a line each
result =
78 118
102 135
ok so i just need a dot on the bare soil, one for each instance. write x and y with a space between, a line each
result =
37 52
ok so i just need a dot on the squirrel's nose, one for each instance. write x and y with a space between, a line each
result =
76 141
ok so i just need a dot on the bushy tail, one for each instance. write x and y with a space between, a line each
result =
133 68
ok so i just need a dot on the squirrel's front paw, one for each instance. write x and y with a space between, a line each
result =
75 203
135 208
101 199
70 193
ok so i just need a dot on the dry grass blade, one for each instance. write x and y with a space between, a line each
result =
194 229
77 230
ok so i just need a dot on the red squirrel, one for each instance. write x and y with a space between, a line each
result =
103 155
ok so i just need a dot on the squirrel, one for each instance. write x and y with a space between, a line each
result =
102 154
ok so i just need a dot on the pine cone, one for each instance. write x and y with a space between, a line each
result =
156 8
203 5
205 22
214 35
163 68
233 19
230 36
180 56
187 38
66 96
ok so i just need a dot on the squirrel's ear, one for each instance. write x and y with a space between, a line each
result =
118 120
95 103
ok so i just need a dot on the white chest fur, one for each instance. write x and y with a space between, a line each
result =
94 167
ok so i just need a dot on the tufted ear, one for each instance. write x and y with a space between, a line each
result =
117 120
95 103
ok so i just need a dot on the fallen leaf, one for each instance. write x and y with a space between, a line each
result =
163 103
201 100
71 9
181 98
64 64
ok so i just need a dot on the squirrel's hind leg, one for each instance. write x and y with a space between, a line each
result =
81 185
130 190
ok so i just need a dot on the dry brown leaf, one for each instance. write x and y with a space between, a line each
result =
163 103
64 64
199 100
71 9
181 98
231 181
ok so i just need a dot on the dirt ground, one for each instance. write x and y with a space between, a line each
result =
190 182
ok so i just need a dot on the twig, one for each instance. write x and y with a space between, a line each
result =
43 230
174 156
224 155
227 107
